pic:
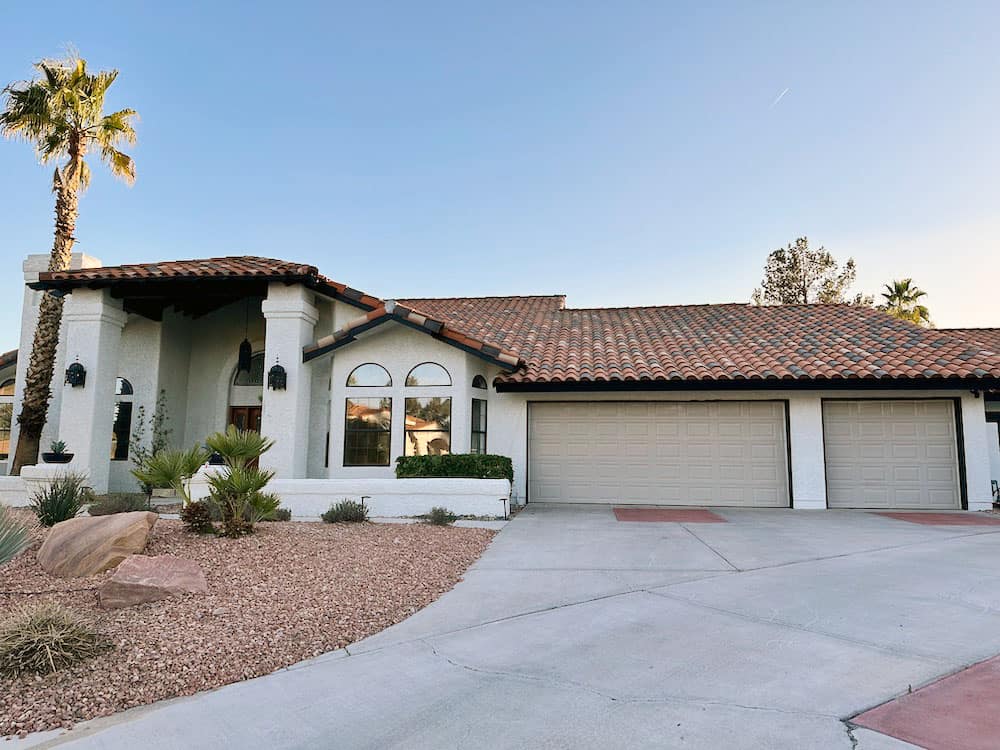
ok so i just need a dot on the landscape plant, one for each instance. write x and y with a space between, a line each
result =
172 468
45 638
61 499
61 113
439 516
472 465
197 517
238 490
140 449
13 536
346 511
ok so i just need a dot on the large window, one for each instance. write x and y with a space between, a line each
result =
121 430
478 444
6 414
428 426
369 375
429 373
366 431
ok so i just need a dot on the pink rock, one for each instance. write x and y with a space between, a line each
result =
140 579
87 545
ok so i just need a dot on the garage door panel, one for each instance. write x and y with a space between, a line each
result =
907 458
670 453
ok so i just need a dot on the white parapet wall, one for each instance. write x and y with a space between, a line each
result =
17 491
388 498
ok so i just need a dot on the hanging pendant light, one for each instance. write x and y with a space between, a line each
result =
246 350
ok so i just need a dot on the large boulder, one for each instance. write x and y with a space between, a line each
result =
140 579
87 545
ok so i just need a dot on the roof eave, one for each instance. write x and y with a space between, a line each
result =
597 386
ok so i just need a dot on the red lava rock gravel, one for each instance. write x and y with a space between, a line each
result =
290 592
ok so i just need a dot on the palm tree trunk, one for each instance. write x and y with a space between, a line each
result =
38 381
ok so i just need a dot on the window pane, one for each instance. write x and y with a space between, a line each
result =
6 412
256 374
366 448
7 388
478 442
427 443
121 431
371 375
478 415
369 413
428 413
479 382
429 373
122 387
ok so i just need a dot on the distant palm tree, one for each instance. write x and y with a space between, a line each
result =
902 300
62 114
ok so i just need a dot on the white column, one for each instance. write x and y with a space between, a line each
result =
93 327
977 455
805 436
290 324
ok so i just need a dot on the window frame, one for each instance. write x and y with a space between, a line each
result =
348 384
387 431
407 431
480 382
444 369
483 423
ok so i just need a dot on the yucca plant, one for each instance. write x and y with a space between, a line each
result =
172 468
61 499
13 536
238 492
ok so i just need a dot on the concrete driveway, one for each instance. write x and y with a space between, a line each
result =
576 630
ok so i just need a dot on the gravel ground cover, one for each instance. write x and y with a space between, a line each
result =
290 592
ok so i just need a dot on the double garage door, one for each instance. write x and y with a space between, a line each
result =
879 454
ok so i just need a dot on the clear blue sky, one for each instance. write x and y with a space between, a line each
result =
622 153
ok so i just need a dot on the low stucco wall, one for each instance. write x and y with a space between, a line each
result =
385 497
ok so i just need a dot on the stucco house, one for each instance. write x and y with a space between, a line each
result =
811 406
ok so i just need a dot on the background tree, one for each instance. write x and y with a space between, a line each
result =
798 275
62 114
902 300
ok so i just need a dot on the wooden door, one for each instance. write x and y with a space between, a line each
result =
245 417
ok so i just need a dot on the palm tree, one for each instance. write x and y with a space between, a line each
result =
902 300
62 114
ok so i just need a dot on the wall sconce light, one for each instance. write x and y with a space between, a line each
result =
277 378
76 375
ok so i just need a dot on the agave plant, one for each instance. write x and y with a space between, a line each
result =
13 536
172 468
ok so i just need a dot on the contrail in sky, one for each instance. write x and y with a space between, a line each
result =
780 97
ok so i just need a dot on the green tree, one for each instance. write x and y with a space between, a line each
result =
902 300
798 275
61 113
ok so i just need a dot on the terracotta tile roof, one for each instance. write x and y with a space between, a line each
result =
8 358
243 267
986 338
392 310
727 342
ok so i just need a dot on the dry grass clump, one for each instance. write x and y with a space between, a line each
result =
45 638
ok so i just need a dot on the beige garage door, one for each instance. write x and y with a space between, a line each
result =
658 453
891 454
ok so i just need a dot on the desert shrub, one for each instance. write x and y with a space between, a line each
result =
118 502
280 514
44 638
439 516
470 465
171 469
61 499
13 536
238 491
346 511
262 505
197 517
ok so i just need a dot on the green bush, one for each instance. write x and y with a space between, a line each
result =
346 511
441 517
45 638
472 465
197 517
13 536
281 514
61 499
118 502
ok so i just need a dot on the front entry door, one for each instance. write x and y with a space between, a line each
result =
245 417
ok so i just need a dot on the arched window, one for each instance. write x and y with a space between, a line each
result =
479 382
253 376
428 373
121 429
368 376
6 416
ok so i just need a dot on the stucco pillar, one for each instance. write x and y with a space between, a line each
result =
977 452
93 328
805 437
290 319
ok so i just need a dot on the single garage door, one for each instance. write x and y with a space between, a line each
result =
658 453
891 454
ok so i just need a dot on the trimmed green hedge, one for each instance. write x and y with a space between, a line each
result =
468 465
